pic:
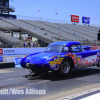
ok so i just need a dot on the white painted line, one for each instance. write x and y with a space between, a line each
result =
92 97
80 94
39 82
5 71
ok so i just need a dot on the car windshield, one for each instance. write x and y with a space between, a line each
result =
54 48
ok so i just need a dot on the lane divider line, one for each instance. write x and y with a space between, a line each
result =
79 94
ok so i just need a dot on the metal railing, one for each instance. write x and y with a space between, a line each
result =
50 20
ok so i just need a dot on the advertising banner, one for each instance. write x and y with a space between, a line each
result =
18 51
86 20
74 18
1 51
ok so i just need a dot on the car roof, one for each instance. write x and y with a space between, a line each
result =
66 43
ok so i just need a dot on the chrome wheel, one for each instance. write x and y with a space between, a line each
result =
66 67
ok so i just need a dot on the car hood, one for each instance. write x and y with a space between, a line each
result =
42 57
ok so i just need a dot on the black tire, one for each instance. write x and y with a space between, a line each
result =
65 68
98 65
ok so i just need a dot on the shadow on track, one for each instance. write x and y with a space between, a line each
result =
75 74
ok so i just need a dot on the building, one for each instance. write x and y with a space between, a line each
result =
5 8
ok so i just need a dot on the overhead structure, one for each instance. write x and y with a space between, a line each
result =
5 8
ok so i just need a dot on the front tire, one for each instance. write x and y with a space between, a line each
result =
65 68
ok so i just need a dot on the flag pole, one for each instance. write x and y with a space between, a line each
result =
57 15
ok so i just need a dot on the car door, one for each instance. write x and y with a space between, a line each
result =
83 58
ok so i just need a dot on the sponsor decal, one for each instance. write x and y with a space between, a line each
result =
97 57
53 57
71 56
78 58
93 59
58 61
74 18
9 51
95 48
86 20
66 55
74 61
1 51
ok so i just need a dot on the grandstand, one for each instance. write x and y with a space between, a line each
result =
55 31
46 31
52 31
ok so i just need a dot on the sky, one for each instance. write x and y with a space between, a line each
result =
65 8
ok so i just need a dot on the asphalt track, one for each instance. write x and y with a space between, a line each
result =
56 87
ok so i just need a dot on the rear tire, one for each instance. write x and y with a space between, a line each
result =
65 69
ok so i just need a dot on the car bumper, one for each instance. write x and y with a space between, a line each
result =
36 68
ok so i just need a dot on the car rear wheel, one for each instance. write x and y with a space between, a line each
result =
65 69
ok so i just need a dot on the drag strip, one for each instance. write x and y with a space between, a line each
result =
56 87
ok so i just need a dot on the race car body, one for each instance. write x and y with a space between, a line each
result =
61 58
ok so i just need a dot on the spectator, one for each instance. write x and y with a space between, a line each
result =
42 28
24 44
35 44
34 28
31 44
94 44
86 38
45 33
74 34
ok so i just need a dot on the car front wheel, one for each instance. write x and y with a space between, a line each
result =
65 69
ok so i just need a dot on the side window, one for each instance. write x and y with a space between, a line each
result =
75 48
66 49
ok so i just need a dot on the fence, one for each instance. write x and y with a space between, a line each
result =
50 20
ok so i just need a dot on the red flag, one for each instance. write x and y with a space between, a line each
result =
56 13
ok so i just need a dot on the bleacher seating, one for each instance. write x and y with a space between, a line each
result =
55 31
